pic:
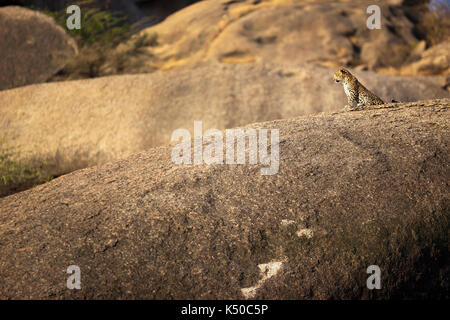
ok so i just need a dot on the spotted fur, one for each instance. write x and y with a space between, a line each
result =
357 94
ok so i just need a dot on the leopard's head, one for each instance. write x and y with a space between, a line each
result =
342 75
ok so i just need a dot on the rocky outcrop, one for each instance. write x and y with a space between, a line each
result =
72 125
354 189
281 31
33 47
275 31
435 60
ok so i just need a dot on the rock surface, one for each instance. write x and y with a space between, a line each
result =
354 189
278 31
33 47
72 125
435 60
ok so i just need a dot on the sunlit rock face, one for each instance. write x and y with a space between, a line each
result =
44 47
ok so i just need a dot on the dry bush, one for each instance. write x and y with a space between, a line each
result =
436 22
100 34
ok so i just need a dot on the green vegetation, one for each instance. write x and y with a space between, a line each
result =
14 175
98 26
146 40
100 34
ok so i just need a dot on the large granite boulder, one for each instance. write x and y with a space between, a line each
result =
71 125
33 47
354 189
284 31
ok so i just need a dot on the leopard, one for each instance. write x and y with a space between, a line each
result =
357 94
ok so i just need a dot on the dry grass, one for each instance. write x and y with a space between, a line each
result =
16 176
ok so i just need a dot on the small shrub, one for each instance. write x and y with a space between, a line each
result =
100 34
146 40
97 26
436 22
